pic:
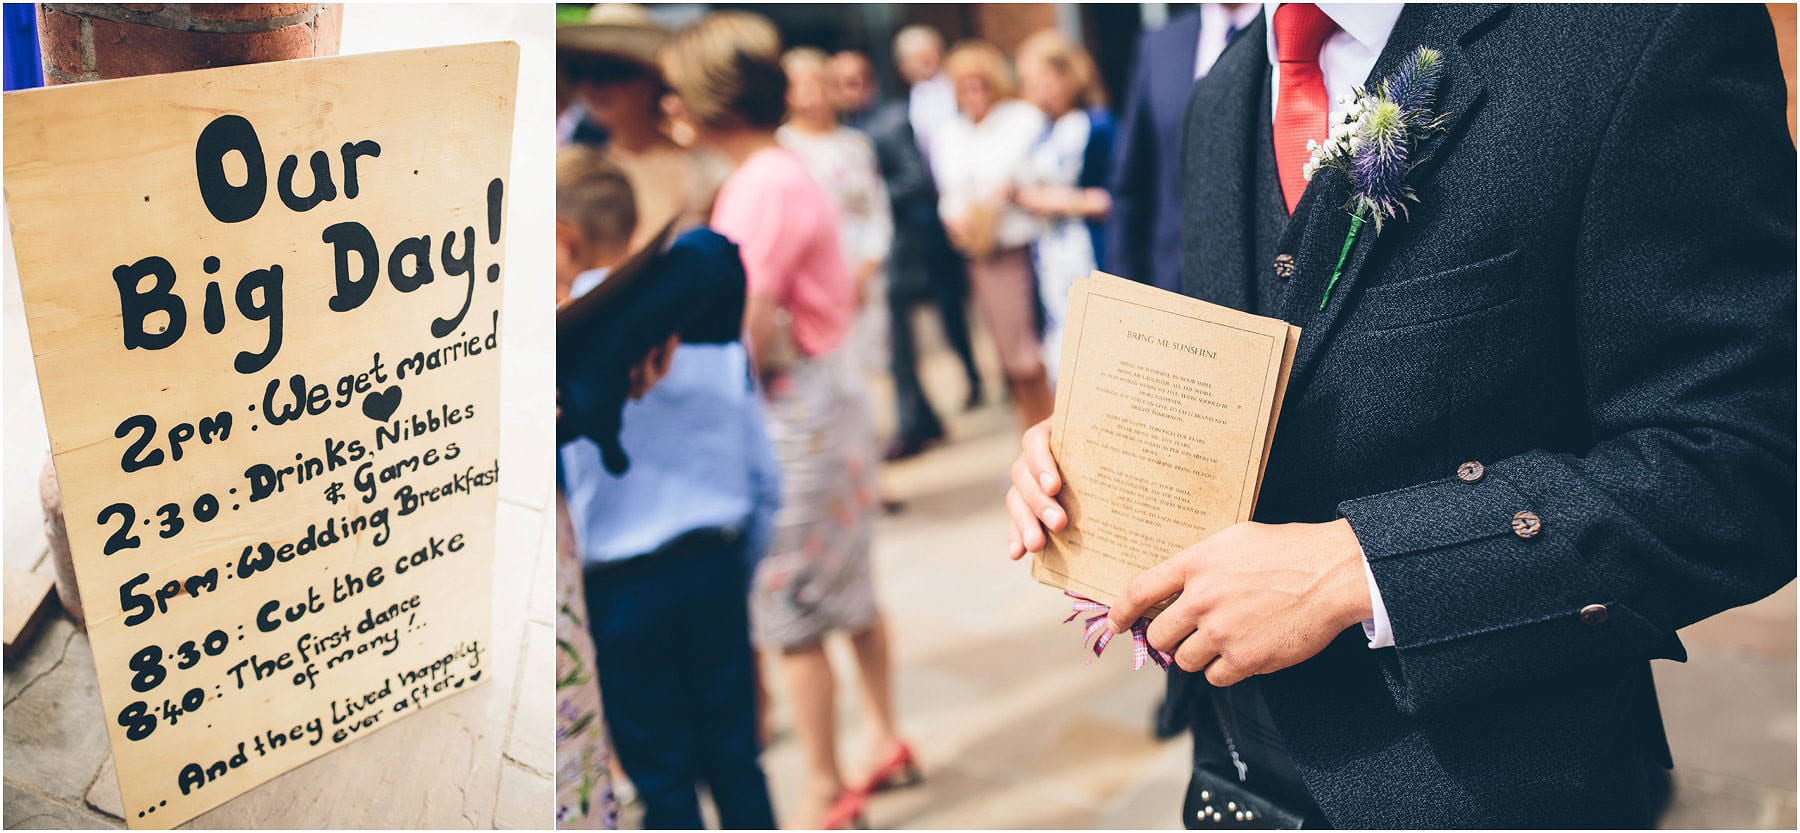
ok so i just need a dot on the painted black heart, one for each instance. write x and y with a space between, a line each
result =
380 405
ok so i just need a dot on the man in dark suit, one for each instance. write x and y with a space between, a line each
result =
923 266
1143 234
1541 422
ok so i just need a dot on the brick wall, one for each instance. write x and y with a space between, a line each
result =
1007 24
94 41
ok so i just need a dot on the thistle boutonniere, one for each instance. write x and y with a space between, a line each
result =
1372 141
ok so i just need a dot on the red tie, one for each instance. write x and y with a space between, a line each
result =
1301 107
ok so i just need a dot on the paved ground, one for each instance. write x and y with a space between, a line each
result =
488 753
1017 732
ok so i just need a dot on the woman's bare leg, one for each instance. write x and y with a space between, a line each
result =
811 688
876 673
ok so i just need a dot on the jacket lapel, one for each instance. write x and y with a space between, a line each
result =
1316 241
1218 168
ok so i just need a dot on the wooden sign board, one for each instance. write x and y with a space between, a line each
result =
264 306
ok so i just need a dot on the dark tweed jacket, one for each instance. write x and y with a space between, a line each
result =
1594 298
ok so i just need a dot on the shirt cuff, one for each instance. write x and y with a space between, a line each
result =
1377 627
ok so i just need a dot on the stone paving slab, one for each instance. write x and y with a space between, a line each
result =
531 743
26 810
522 797
55 734
1733 726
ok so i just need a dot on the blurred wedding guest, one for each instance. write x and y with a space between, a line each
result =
842 160
610 62
669 507
587 793
930 98
922 266
1065 177
992 137
568 113
573 127
573 124
1143 237
726 74
590 785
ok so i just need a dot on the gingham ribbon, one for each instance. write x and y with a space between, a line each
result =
1094 628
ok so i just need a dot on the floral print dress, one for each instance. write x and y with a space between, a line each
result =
584 793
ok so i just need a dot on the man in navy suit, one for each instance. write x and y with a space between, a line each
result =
1143 238
922 267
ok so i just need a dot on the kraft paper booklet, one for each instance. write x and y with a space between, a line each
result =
1165 413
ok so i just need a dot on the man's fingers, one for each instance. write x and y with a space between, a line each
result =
1014 549
1040 461
1222 673
1195 653
1145 591
1031 535
1171 626
1030 487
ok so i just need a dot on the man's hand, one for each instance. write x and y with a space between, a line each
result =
1032 499
957 229
1255 598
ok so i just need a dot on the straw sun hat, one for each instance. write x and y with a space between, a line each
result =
614 31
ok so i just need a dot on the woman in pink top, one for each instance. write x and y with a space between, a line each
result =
729 86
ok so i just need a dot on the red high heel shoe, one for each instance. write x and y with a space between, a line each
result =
899 769
846 812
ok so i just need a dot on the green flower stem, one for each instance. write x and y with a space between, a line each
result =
1356 221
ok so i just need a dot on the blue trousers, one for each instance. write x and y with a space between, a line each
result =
677 683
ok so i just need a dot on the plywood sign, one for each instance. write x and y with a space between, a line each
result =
264 304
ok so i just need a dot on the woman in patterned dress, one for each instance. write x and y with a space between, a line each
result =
729 85
842 161
584 789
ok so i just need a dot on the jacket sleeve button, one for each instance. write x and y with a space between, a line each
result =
1593 615
1527 524
1471 472
1284 266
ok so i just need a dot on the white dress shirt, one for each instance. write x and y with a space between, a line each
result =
587 281
1216 21
1349 53
1345 60
929 106
990 157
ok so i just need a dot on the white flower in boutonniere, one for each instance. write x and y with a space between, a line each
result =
1372 141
